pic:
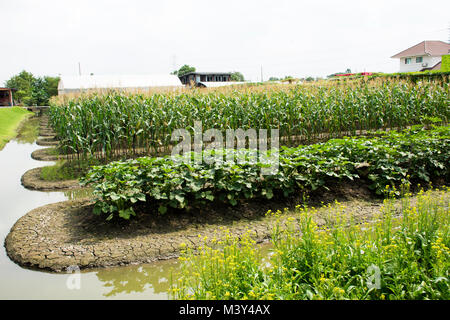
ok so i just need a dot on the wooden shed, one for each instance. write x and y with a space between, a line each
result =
6 97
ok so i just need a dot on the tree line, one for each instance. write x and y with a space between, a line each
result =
31 90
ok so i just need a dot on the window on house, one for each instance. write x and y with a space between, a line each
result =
419 59
407 60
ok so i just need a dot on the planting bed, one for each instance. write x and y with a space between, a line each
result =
58 235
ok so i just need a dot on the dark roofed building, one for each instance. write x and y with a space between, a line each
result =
196 78
6 97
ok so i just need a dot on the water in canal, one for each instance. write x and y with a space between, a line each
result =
130 282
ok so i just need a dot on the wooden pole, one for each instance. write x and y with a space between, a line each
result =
11 98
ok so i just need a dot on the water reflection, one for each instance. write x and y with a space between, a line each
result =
155 277
29 131
135 282
150 281
135 279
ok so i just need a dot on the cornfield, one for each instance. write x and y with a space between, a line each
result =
118 124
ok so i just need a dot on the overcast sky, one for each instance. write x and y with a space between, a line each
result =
297 38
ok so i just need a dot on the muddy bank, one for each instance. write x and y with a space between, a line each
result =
46 133
67 233
32 180
47 141
47 154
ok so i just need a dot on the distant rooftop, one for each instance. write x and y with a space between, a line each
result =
427 47
206 73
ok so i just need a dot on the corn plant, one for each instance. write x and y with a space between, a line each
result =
120 125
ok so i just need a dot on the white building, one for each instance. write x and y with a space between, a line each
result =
426 55
75 84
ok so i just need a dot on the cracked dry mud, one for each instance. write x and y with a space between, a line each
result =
63 234
47 154
47 141
67 233
32 180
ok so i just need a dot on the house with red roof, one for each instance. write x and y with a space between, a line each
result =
426 55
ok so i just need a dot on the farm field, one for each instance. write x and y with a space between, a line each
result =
378 136
115 125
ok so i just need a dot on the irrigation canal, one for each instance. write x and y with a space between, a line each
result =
129 282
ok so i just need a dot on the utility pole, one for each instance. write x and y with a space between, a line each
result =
174 62
262 80
79 68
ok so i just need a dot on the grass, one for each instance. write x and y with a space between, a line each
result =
64 170
10 119
402 254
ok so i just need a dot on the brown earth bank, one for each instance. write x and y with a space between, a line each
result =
47 141
46 133
67 233
47 154
32 180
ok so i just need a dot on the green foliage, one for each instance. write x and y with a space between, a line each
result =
391 258
237 76
165 182
107 126
51 86
33 90
414 77
445 64
65 170
184 70
23 82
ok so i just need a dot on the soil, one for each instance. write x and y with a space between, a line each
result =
46 133
59 235
67 233
47 141
32 180
47 154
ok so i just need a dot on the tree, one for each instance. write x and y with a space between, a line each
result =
38 93
51 85
309 79
33 90
237 76
273 79
184 70
23 82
